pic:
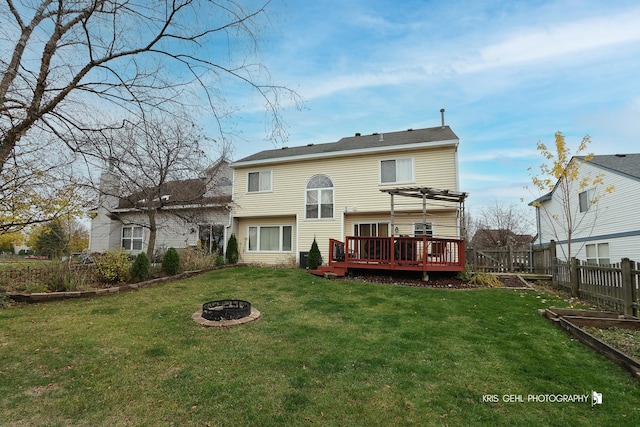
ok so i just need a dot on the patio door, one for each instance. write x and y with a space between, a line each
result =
374 229
211 237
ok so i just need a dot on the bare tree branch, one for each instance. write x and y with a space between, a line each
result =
124 56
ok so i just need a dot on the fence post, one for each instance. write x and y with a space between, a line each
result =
627 286
575 280
510 259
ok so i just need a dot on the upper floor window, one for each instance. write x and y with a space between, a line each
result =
259 181
585 199
319 197
395 171
132 238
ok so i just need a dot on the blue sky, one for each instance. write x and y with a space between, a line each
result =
508 73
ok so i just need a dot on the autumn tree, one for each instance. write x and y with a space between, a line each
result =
71 69
559 179
37 188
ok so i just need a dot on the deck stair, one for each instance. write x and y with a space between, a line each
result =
329 271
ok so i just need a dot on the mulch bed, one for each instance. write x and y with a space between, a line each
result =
440 281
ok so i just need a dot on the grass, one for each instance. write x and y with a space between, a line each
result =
323 353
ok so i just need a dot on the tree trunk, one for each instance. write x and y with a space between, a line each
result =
153 228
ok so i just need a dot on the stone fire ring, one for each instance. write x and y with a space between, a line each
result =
197 316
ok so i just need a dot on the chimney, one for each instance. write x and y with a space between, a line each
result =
442 115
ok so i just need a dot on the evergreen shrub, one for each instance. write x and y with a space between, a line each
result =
315 257
232 250
171 262
140 268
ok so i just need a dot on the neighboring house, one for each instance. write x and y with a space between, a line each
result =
491 238
191 213
606 231
284 198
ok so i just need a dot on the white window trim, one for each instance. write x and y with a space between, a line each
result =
599 256
421 223
590 194
141 238
319 191
270 190
413 171
280 235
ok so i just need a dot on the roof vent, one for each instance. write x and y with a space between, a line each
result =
621 155
309 145
284 148
442 115
358 134
409 130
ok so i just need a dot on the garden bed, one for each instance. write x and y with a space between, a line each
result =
614 335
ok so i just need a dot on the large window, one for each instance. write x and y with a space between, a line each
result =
319 197
273 238
585 199
396 171
132 238
259 181
598 254
211 237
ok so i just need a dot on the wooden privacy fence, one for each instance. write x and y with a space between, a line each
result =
615 286
512 259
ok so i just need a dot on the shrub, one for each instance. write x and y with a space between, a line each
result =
219 261
232 250
484 279
315 257
171 262
113 266
193 259
140 268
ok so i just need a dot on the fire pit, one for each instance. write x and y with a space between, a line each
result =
226 309
224 313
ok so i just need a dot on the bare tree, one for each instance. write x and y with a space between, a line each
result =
501 225
158 168
64 64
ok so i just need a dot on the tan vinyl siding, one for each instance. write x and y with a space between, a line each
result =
356 182
271 258
356 192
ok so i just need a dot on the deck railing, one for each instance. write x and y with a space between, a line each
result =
399 252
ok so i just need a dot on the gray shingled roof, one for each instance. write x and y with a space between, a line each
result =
362 142
627 164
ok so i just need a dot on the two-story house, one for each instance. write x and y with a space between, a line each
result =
605 225
285 198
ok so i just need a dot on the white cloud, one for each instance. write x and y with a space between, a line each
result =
558 39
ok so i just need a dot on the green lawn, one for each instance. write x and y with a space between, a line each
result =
323 353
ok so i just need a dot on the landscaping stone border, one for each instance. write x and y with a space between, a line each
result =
56 296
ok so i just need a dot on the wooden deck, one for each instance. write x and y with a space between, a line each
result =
395 253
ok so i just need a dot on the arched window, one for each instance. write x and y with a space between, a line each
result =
319 197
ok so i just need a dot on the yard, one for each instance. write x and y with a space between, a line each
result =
323 353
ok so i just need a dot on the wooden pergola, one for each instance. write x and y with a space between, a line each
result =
428 193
